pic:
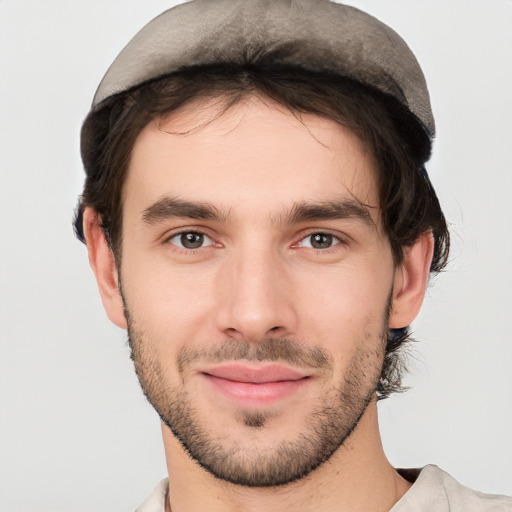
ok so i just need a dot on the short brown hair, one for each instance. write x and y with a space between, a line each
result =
399 145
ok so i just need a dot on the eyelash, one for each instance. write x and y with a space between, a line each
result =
339 241
190 232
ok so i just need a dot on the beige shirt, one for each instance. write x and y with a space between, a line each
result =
433 491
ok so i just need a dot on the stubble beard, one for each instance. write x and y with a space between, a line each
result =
327 427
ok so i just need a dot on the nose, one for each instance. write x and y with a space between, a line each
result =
257 299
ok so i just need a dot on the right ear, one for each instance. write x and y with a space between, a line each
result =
104 266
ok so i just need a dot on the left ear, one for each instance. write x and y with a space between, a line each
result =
410 283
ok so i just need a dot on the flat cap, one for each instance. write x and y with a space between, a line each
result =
314 35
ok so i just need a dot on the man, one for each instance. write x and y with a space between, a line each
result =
258 217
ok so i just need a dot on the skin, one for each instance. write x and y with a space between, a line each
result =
256 278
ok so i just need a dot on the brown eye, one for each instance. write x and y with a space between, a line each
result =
320 241
190 240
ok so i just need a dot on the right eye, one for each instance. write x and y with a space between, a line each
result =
190 240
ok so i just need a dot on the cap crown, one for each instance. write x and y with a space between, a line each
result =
315 35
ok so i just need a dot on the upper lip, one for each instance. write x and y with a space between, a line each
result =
254 374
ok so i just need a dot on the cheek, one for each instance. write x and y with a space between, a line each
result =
346 300
334 305
170 307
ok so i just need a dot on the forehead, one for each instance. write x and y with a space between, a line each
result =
255 152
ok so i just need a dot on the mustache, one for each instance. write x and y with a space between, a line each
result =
269 349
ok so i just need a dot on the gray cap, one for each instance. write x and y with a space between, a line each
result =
315 35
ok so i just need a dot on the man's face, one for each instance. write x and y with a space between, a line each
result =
256 285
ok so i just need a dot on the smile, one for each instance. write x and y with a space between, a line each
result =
255 385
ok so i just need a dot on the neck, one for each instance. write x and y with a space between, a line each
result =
357 478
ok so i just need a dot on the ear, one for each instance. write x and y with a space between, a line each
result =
104 267
410 283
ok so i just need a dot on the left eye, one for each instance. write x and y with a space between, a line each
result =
190 240
320 241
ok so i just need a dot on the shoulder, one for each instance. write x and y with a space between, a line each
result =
434 489
155 502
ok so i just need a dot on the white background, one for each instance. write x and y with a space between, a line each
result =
75 432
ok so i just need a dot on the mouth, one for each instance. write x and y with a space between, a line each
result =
255 385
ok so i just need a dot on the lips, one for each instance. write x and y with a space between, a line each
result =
254 385
255 374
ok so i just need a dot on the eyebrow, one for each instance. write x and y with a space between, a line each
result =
172 207
331 210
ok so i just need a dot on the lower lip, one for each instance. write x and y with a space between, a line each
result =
251 394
